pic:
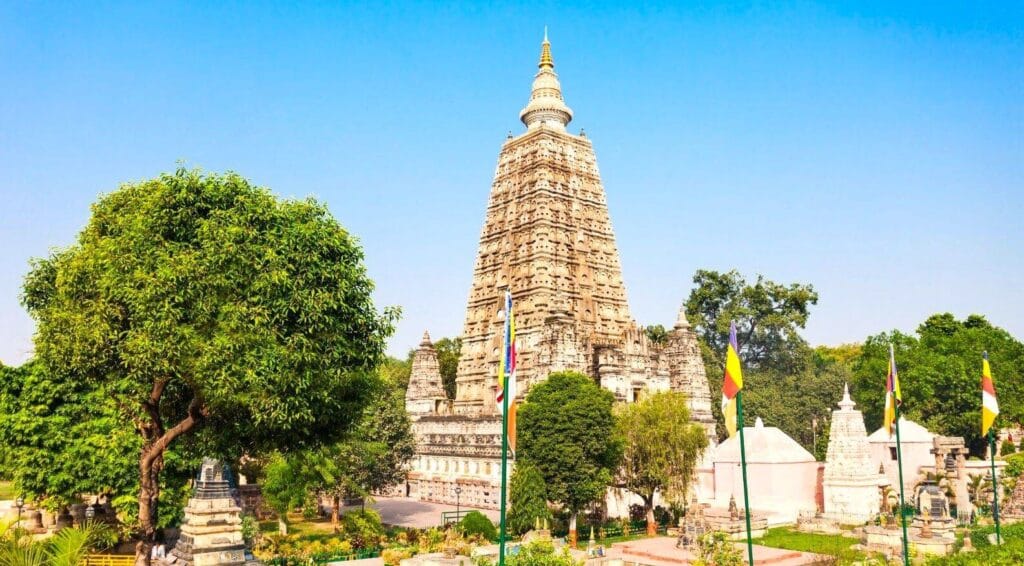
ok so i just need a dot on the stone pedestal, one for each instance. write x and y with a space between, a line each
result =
211 533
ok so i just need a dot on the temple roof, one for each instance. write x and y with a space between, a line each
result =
765 445
546 105
909 432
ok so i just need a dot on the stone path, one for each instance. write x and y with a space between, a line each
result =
662 551
407 512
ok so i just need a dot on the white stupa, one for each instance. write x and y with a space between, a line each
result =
851 481
782 476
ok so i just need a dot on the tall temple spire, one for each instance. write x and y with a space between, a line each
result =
546 105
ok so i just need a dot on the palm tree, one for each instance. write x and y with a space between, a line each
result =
979 487
68 547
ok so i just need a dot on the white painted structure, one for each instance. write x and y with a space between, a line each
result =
782 476
916 445
851 482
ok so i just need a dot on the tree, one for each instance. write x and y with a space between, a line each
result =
661 449
198 303
768 316
476 523
940 374
529 499
657 334
286 486
396 372
448 352
567 431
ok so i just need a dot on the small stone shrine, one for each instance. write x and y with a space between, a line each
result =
851 478
211 533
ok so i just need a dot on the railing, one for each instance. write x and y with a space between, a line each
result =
448 517
109 560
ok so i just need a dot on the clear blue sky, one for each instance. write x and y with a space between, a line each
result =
876 151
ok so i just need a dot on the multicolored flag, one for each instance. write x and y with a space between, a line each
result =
989 404
507 372
733 381
893 397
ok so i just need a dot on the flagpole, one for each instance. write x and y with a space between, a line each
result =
504 476
504 451
899 466
743 466
995 484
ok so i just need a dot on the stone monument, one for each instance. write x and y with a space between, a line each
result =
547 238
851 480
211 533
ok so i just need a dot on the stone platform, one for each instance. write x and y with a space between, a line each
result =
662 551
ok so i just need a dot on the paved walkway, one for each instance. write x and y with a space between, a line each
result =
662 551
406 512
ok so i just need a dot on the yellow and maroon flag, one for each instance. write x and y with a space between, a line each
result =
989 404
733 381
893 397
507 372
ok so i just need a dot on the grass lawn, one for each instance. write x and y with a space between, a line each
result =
7 491
305 528
832 545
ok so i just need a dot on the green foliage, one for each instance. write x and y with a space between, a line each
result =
715 549
661 447
1009 554
396 372
830 545
67 547
528 497
362 528
1007 449
448 352
537 553
207 309
657 334
1014 465
567 431
767 316
67 438
940 372
476 523
979 535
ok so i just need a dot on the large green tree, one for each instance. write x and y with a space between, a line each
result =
200 303
768 317
661 448
940 375
567 431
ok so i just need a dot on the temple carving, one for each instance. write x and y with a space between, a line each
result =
547 237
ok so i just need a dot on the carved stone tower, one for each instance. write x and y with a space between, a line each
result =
547 237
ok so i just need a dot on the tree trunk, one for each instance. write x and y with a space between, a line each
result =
151 459
282 524
652 526
572 529
148 491
335 507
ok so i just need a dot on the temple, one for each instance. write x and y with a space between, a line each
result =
547 237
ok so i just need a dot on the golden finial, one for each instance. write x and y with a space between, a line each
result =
545 53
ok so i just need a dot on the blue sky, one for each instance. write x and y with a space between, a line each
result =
876 151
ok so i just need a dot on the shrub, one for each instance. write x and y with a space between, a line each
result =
1007 449
1014 465
476 523
362 528
393 556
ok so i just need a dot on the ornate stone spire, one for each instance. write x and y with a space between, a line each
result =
546 105
425 385
681 321
846 404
